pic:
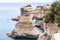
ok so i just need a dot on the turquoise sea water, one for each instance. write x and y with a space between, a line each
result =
8 11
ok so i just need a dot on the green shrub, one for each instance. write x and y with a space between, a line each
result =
48 16
54 14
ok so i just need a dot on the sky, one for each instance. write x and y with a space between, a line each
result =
24 1
11 8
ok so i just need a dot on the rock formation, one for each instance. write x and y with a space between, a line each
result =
24 27
51 28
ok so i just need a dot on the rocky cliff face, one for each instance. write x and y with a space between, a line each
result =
51 28
24 28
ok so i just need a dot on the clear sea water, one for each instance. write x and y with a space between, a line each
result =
8 11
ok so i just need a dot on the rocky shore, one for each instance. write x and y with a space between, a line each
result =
24 28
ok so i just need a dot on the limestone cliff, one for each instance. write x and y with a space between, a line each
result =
24 28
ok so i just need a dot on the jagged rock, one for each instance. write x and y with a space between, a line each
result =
51 28
46 37
24 34
24 28
29 34
15 19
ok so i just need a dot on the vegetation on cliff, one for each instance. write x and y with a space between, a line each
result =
54 14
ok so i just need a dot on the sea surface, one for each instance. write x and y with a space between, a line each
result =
8 11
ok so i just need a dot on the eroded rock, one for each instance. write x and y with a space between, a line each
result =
24 28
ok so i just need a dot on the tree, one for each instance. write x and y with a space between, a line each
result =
54 14
48 16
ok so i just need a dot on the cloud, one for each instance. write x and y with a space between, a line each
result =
25 1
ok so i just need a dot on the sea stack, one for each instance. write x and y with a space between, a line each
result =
25 26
